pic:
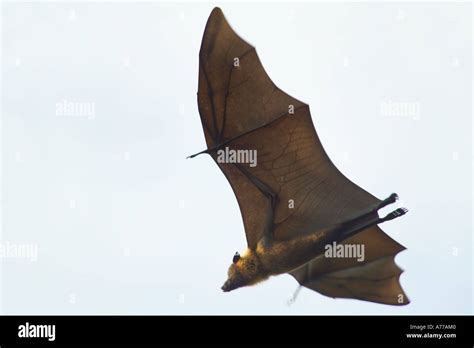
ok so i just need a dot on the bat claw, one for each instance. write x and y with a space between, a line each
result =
197 154
395 214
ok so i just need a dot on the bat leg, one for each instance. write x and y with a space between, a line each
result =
361 218
354 226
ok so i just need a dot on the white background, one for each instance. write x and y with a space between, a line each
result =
125 224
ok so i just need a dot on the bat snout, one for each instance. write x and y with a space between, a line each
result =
228 286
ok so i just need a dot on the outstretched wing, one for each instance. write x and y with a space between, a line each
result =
236 96
294 188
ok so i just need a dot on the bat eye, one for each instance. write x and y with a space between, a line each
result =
236 257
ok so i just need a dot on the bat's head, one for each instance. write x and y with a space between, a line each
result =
243 271
235 277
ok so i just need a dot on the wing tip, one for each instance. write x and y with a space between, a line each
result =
214 22
215 16
216 11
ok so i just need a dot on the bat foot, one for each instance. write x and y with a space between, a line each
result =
395 214
389 200
393 198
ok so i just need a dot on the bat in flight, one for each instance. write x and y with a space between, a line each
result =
301 215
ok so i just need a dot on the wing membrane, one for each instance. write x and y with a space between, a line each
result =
294 188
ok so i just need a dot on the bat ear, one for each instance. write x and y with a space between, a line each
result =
236 257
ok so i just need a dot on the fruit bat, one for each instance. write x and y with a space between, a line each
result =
301 215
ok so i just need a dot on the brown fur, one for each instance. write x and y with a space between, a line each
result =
277 257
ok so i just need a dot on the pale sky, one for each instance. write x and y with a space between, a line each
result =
123 223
